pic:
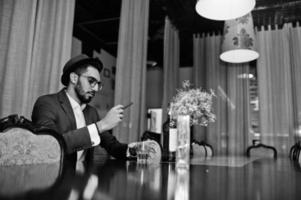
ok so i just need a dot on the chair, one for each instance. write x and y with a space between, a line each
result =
294 153
201 149
258 149
31 157
23 143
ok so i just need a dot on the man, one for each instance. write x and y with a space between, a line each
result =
69 113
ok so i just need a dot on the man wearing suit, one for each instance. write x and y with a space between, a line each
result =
69 114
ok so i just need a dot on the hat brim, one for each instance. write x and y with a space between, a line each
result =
88 61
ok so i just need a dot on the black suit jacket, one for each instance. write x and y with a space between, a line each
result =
54 111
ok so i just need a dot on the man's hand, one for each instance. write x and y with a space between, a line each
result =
112 119
132 149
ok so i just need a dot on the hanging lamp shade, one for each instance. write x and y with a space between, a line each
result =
224 9
238 44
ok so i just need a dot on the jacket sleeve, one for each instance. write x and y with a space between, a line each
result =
45 114
113 146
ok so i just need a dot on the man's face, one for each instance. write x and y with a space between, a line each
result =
88 84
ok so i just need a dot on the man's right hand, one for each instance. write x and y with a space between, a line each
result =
112 119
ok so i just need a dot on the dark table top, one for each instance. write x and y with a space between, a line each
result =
218 178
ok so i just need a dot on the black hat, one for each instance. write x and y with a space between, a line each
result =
76 62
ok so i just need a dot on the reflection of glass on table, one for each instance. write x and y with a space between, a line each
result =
182 184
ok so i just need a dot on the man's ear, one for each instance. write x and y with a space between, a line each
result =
73 77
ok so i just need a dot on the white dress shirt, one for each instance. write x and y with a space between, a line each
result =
81 122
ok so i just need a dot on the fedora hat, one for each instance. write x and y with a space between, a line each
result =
76 62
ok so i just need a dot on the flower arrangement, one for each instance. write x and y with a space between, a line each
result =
194 102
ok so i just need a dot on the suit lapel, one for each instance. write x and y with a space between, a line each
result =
88 116
91 114
63 99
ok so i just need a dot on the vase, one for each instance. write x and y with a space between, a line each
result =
183 146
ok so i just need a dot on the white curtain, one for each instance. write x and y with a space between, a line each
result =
229 135
295 60
131 68
279 85
171 64
35 42
279 91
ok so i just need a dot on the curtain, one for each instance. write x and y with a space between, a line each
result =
279 91
35 42
279 85
229 134
295 60
171 64
131 68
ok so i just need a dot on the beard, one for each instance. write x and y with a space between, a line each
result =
84 97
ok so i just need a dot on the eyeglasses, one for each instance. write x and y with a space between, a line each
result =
92 81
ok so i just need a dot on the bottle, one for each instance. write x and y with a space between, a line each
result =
173 140
169 139
166 139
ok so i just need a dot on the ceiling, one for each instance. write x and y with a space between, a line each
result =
96 23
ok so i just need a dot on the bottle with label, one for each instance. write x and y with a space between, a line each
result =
166 139
169 139
173 140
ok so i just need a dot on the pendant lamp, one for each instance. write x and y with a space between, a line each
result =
238 43
224 9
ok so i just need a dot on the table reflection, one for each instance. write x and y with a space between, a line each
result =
158 181
134 181
182 184
114 180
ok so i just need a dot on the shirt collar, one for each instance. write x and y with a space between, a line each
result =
75 104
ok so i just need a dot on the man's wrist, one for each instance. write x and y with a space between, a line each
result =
99 127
